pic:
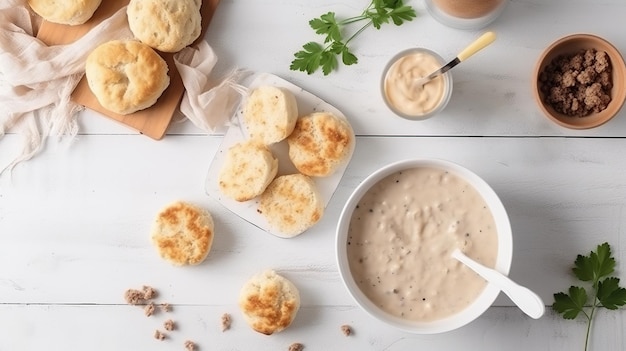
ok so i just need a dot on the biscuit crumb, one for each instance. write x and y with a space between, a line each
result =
225 321
149 292
346 330
190 345
149 309
169 325
165 307
159 335
296 346
134 296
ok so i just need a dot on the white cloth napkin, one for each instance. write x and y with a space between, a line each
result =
36 80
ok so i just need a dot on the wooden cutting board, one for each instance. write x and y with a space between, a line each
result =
152 121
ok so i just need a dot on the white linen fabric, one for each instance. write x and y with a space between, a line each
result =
36 80
208 105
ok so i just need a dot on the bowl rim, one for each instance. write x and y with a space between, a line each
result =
503 261
600 118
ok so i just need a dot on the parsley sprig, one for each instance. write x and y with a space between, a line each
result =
597 269
314 55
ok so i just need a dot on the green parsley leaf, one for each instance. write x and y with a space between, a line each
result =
610 294
347 57
604 263
597 265
570 305
308 60
583 268
402 14
329 62
378 18
326 24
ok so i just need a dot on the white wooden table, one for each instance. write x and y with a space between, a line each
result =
75 220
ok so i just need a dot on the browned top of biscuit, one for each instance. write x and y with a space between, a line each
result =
272 318
269 302
183 234
319 143
291 204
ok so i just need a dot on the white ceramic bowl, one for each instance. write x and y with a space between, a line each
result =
503 260
447 85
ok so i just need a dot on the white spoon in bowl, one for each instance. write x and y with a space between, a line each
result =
529 302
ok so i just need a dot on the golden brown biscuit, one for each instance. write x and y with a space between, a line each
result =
183 234
248 169
291 204
320 143
126 76
269 302
72 12
166 25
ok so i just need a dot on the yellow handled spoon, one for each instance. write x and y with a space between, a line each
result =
478 44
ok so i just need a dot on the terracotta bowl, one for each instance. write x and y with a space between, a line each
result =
570 45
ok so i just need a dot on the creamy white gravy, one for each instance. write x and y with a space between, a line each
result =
401 91
402 233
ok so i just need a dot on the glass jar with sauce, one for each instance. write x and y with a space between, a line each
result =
403 96
465 14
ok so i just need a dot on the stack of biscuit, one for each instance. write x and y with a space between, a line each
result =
319 143
128 76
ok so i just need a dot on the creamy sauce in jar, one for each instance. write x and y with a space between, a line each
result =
400 89
468 8
402 234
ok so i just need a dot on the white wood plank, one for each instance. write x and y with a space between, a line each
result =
61 327
492 90
72 219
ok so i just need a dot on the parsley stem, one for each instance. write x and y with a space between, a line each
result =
363 16
589 316
358 32
589 319
352 20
